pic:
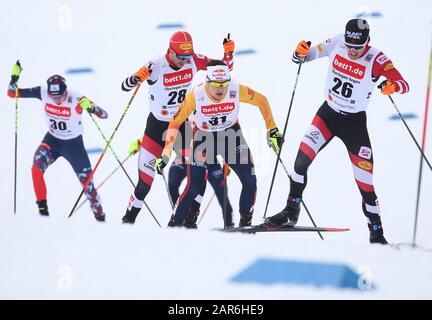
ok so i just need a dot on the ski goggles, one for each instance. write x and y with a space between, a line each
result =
58 97
217 84
183 57
355 46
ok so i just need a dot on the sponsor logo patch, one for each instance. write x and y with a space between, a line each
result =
186 46
64 112
382 59
348 67
176 78
233 94
365 153
315 134
388 67
366 165
354 35
218 108
219 74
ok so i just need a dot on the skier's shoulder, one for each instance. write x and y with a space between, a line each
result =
326 46
380 57
73 95
335 40
156 62
199 57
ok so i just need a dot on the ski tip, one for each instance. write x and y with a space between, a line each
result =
337 229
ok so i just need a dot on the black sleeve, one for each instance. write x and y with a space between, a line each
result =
34 92
129 83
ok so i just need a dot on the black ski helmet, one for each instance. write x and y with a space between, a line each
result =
56 85
357 32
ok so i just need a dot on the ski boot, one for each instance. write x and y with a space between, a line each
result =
173 223
130 215
245 219
43 208
191 220
376 233
100 217
289 215
228 221
229 226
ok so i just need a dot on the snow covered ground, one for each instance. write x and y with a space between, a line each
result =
59 258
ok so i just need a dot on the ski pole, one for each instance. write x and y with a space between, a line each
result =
303 203
207 206
167 190
283 136
16 142
105 149
120 163
111 149
225 198
426 113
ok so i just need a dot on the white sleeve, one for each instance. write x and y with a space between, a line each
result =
324 48
154 66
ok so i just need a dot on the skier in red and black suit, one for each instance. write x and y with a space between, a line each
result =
170 79
63 113
355 67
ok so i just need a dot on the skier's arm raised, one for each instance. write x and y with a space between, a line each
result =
201 61
305 52
22 93
145 73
